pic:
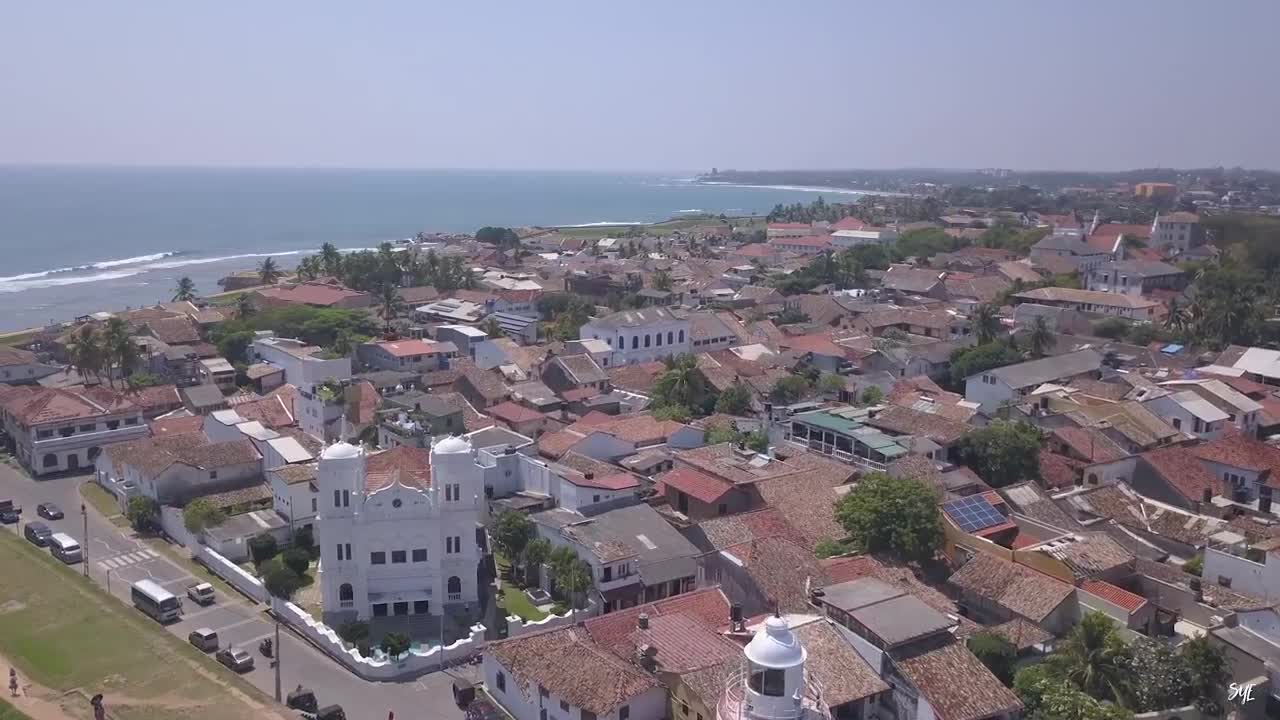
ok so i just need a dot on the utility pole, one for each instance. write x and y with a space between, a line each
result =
277 661
84 549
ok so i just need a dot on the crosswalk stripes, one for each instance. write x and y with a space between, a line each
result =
116 562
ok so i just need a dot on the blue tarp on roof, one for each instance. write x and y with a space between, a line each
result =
1171 349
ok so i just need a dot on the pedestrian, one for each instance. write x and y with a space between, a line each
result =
13 682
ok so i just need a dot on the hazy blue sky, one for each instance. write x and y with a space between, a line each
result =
652 85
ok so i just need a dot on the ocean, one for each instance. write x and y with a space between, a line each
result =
79 240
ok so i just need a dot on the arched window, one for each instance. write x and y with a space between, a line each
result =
768 681
658 339
671 337
346 596
1093 479
454 588
93 453
635 341
50 460
682 336
646 339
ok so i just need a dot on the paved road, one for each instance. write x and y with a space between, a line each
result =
117 559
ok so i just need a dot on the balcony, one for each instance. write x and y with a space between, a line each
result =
836 452
734 703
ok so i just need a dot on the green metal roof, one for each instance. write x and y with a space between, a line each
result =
843 421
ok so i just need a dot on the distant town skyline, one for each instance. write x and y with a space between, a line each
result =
659 87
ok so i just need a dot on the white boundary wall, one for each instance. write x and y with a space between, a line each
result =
229 571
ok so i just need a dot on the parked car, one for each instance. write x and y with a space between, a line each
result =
49 511
206 640
302 699
236 659
201 593
37 533
9 517
331 712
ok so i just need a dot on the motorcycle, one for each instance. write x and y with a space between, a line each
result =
265 647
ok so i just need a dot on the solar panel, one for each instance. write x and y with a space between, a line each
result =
973 513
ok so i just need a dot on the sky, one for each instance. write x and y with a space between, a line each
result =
648 86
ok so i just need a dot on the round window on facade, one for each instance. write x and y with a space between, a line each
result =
395 503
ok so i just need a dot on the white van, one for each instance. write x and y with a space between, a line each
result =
65 548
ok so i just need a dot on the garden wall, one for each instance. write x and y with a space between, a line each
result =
229 571
417 661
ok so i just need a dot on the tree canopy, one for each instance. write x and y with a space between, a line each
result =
976 359
898 516
1003 453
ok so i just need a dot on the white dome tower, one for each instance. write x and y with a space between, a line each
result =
774 685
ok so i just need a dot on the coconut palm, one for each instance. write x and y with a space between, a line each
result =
268 273
388 302
492 328
185 291
662 280
571 575
1041 338
330 259
244 306
849 271
1094 658
985 323
682 384
310 268
85 351
119 349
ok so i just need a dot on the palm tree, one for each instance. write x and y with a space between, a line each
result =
186 290
244 306
268 273
330 259
572 576
985 323
86 352
388 302
492 328
683 384
1094 658
118 348
535 554
848 269
1041 338
309 268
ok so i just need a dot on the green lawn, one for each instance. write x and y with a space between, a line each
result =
9 712
64 633
517 603
17 338
102 500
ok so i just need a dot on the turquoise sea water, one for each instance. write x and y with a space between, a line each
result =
79 240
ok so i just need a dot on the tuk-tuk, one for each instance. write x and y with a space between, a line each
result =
331 712
464 692
302 699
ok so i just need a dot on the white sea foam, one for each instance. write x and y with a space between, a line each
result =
133 260
102 265
12 286
601 224
692 210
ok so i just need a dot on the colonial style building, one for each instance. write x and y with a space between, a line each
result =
397 530
638 336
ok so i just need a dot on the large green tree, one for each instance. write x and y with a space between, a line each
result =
1094 658
736 400
511 532
898 516
1003 453
973 360
268 271
683 384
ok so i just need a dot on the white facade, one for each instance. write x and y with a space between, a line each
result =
989 391
529 703
1189 413
841 239
72 444
639 336
398 548
299 361
1261 579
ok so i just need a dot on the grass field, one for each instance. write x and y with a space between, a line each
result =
517 603
9 712
64 634
103 501
661 229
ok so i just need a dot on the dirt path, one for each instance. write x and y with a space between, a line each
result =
38 701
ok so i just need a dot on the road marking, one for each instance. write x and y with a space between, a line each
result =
237 624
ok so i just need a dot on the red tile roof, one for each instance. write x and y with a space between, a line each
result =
555 444
176 425
850 223
616 481
708 606
818 241
759 250
696 485
1183 472
1058 471
1240 451
408 348
1114 595
409 465
319 294
1090 444
512 413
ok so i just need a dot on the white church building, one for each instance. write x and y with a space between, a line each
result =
397 536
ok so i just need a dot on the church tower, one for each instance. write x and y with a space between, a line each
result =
774 684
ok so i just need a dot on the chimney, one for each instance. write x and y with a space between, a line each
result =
591 476
642 621
735 617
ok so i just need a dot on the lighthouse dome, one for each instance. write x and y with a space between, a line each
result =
775 646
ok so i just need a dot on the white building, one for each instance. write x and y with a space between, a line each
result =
1190 413
1179 231
303 364
398 537
773 684
994 389
638 336
842 239
410 354
55 429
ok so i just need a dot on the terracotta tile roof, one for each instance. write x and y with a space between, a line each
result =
362 402
843 674
1015 587
472 420
296 473
555 444
311 293
1182 471
272 412
906 421
698 485
409 348
957 685
176 425
852 567
1074 295
707 605
1114 595
156 397
409 466
637 378
579 394
684 644
1089 443
641 429
1089 554
568 663
1240 451
984 288
153 455
1021 633
1131 510
10 356
807 501
174 330
486 384
722 532
758 250
910 279
436 378
32 405
850 223
781 570
581 369
513 413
